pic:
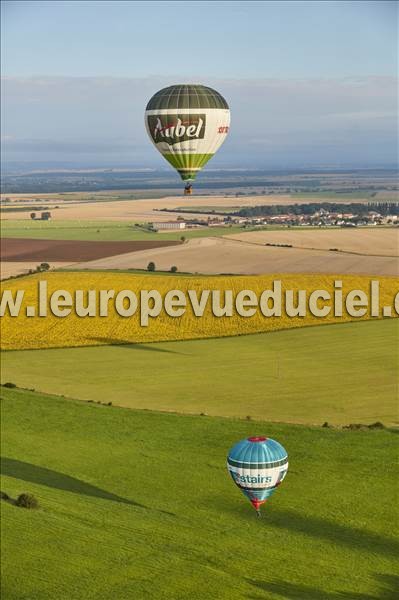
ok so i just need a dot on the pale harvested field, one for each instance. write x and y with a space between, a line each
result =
221 255
249 200
125 210
144 210
379 242
8 269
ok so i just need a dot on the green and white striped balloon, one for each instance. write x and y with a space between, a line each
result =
187 124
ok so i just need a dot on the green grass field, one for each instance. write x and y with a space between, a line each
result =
137 505
99 231
115 231
337 373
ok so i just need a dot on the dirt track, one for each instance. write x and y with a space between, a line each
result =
221 255
31 250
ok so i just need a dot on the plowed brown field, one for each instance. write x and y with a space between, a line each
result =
28 250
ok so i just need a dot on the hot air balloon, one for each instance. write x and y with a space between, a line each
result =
257 465
187 124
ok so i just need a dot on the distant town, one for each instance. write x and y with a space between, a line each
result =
306 215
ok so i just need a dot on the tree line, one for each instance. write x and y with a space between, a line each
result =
383 208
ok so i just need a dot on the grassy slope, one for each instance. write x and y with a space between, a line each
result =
138 505
99 231
337 373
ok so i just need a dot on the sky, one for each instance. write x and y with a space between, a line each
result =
308 83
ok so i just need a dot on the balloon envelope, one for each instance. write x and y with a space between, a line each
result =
257 466
187 124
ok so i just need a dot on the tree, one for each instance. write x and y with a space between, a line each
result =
173 269
151 266
33 216
182 239
27 501
43 266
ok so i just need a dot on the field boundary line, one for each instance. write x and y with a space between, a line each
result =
292 247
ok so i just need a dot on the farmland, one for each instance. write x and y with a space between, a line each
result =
33 332
100 231
227 250
117 216
125 438
347 196
138 210
22 250
89 182
368 241
143 209
337 373
215 255
11 268
113 522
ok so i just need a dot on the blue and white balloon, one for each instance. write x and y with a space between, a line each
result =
257 465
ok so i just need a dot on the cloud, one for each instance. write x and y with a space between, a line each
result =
272 119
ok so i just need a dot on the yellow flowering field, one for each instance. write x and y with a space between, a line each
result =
23 332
